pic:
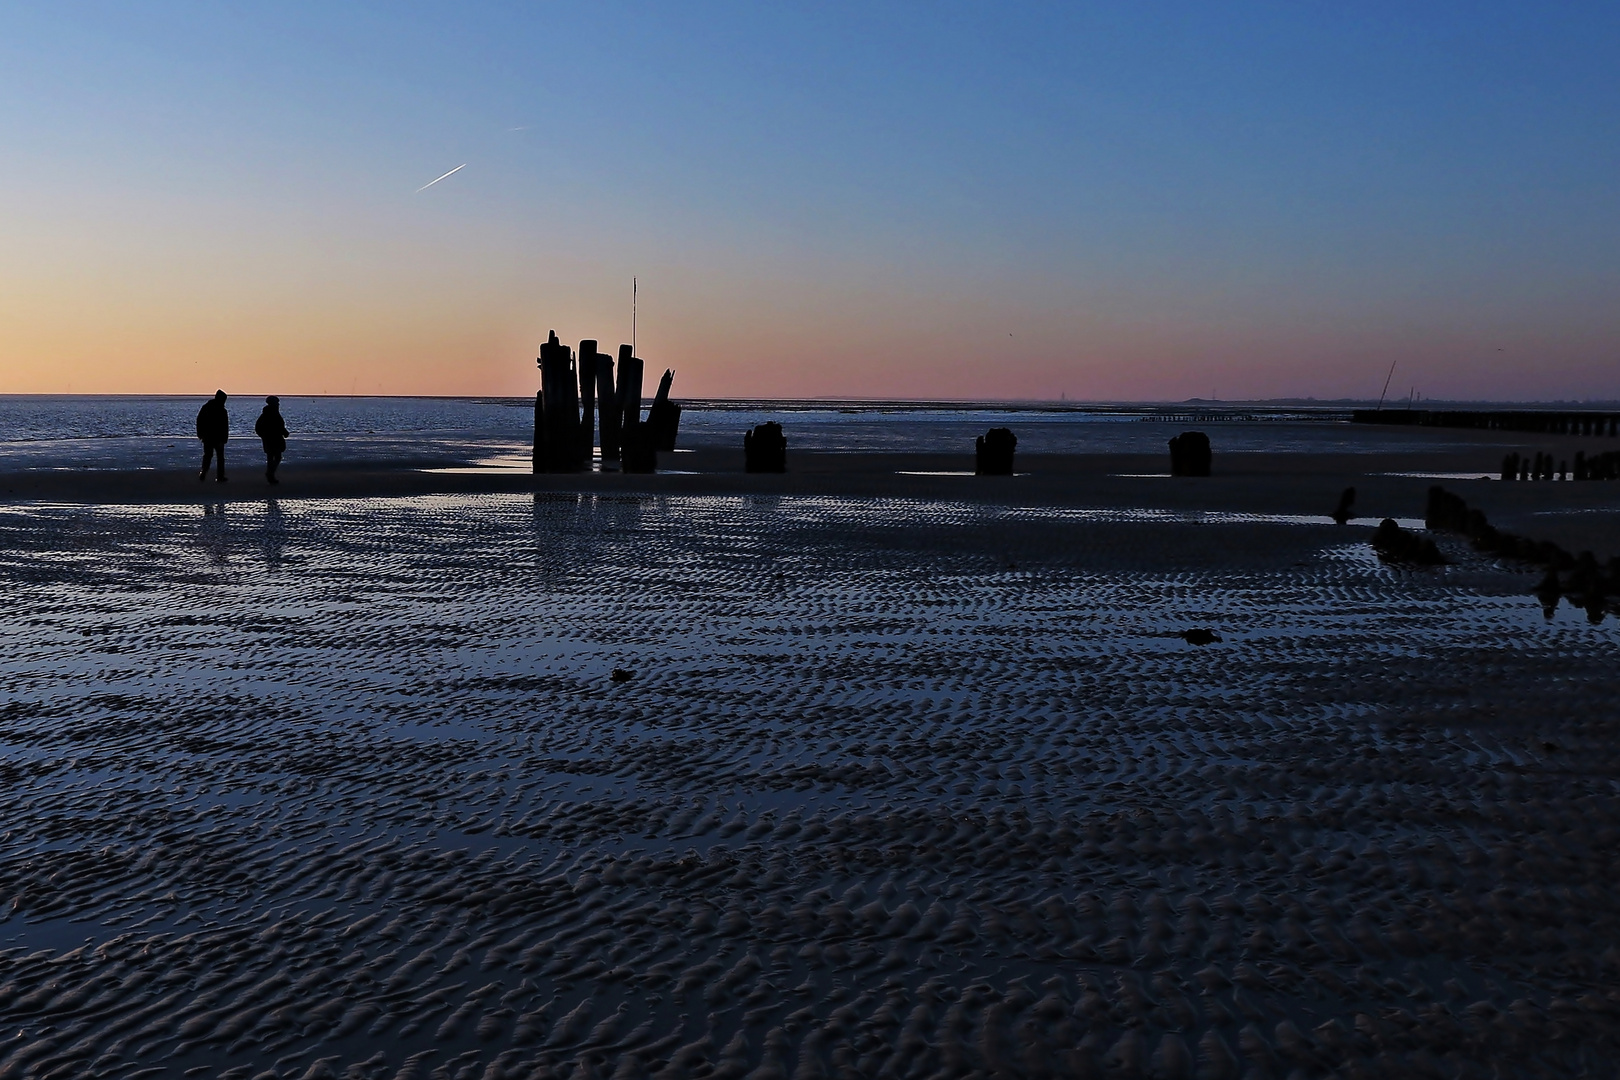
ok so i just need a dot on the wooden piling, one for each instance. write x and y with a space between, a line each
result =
636 452
629 392
765 449
587 399
993 452
612 415
1190 454
559 392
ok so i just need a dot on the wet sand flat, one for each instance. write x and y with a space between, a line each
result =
1578 516
794 783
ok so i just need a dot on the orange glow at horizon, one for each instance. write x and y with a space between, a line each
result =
479 337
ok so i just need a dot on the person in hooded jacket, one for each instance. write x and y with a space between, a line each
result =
213 428
272 432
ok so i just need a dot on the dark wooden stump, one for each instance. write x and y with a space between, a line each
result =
993 452
765 449
1190 454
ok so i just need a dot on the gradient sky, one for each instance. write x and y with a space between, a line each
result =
1133 200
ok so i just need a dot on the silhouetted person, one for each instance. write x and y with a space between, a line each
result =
213 428
272 432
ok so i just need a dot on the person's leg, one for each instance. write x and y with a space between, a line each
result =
208 456
219 473
271 461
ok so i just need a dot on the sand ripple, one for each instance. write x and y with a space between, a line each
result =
347 789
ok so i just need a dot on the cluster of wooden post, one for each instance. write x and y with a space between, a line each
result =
993 452
578 398
1606 466
1190 454
1516 466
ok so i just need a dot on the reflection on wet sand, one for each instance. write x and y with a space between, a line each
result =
273 535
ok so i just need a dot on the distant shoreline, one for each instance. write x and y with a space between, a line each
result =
923 404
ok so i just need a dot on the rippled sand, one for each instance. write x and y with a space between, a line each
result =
347 788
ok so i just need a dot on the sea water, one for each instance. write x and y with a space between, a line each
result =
157 432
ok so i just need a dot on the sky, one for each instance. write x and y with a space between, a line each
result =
1122 201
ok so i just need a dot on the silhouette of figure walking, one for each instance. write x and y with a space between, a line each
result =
213 428
272 432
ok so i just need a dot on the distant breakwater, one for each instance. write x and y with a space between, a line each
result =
1536 421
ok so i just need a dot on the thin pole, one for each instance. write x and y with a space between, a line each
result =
632 316
1388 377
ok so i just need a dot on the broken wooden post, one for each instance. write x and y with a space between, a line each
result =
587 399
664 418
993 452
765 449
1190 454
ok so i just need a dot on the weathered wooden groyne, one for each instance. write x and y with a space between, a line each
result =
1586 583
580 405
1534 421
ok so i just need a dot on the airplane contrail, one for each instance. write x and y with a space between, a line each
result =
430 183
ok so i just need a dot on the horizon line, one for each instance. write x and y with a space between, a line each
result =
1428 404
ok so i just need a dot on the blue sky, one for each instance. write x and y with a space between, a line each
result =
1115 201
